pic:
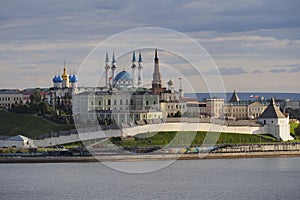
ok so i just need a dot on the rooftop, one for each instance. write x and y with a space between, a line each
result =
272 111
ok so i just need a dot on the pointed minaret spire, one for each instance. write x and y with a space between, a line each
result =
107 68
140 70
140 57
133 67
106 57
133 56
113 58
113 69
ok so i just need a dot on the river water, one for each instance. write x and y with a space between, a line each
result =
255 178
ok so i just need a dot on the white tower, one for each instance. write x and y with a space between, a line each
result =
276 122
107 68
113 68
133 68
140 71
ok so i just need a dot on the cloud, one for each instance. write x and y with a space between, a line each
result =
31 66
256 72
227 71
275 70
254 33
290 68
232 71
295 69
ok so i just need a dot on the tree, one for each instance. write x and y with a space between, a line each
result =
178 114
35 97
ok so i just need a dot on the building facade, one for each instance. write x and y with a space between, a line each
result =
9 97
276 122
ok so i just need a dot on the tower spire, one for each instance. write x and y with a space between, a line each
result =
113 68
107 68
140 70
133 67
156 81
133 56
106 57
113 58
140 57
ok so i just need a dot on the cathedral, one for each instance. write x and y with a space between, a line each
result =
64 85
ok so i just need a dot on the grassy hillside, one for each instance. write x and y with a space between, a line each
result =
28 125
164 138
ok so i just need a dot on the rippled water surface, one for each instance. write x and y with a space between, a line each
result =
261 178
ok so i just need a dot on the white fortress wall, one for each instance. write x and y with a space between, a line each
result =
184 126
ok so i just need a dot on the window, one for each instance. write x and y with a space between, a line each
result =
121 102
99 103
108 102
115 102
147 102
126 101
92 103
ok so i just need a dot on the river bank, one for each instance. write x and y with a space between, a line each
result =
141 157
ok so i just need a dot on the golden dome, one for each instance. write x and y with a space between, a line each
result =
65 76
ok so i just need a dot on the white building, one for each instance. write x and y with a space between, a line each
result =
17 141
276 122
214 107
10 97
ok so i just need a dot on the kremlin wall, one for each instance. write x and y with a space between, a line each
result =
134 109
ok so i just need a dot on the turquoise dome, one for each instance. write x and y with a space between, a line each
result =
123 76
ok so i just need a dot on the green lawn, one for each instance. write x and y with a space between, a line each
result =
28 125
194 138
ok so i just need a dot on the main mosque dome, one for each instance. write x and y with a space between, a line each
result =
122 79
123 76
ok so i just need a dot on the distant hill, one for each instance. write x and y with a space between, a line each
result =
28 125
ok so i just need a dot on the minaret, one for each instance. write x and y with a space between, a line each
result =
133 68
140 71
180 89
113 68
107 68
156 82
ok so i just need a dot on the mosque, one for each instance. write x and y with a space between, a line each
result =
124 98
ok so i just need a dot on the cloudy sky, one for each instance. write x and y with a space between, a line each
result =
254 43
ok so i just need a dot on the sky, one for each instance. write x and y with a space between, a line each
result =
255 44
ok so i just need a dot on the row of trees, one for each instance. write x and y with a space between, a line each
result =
61 112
